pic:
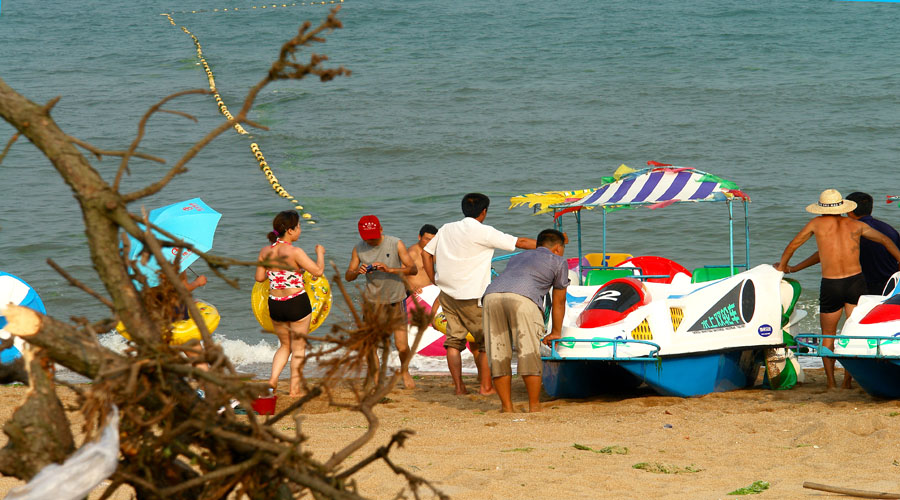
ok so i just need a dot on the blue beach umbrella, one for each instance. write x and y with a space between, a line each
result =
16 291
192 221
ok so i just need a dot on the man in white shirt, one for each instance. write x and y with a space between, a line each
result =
458 261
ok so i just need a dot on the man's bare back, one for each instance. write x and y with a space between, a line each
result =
837 239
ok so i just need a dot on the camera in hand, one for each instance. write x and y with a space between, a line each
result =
370 268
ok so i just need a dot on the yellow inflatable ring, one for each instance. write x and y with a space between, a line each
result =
186 330
440 324
318 289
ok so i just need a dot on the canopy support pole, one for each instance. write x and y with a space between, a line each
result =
604 235
747 233
580 254
731 237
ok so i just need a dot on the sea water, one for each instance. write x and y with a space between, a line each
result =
447 97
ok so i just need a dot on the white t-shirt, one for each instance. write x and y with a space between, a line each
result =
462 253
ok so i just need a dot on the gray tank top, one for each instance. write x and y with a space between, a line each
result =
382 287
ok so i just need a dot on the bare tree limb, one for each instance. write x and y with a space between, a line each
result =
9 144
74 282
123 166
100 153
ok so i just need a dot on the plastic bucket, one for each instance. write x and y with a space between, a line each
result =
265 406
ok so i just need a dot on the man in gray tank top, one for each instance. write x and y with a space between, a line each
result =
383 259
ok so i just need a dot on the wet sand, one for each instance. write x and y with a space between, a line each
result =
702 447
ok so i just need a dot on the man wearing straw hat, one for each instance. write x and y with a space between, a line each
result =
837 239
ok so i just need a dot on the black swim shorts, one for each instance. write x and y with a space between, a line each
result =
290 310
834 293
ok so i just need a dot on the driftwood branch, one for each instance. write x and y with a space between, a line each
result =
849 491
175 443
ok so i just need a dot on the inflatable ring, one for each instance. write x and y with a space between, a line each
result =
318 290
186 330
16 291
440 324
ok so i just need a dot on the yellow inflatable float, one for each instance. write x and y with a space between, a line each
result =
318 290
440 324
186 330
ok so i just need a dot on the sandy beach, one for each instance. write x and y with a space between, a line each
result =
702 447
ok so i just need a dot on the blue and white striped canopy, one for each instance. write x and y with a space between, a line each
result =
658 187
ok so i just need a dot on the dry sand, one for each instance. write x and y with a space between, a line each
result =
719 442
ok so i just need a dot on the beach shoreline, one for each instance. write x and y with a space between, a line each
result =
708 446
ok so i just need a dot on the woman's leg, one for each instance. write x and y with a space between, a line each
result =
298 329
282 331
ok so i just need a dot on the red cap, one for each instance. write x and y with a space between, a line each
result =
369 227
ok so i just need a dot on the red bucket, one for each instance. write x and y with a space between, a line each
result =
265 406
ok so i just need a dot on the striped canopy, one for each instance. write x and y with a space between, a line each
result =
657 187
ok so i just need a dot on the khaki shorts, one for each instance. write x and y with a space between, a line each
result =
463 317
511 320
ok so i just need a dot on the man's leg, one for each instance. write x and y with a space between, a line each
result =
503 384
454 364
495 327
533 386
454 341
848 379
401 340
829 322
484 372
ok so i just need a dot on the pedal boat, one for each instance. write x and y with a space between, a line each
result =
868 346
649 320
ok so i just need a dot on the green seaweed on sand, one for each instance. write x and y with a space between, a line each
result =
659 468
607 450
754 489
526 450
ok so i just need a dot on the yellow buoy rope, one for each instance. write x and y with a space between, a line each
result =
254 148
260 6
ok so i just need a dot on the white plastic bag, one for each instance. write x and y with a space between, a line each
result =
80 473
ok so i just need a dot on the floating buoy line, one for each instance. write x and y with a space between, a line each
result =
254 148
260 6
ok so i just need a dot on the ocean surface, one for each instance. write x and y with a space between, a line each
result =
786 98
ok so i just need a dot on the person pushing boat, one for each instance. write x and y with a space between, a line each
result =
838 242
458 261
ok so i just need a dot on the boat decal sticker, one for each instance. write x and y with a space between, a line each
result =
765 330
724 314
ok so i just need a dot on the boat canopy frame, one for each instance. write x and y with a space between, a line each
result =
615 195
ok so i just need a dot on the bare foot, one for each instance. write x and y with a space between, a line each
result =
488 392
847 385
535 409
461 391
508 410
296 394
408 381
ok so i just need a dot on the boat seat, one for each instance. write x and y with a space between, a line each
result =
704 274
609 260
602 276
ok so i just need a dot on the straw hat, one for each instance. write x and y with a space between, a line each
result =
831 202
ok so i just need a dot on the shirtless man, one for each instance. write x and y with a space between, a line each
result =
837 239
421 279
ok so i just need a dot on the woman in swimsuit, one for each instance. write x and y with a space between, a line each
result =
289 306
